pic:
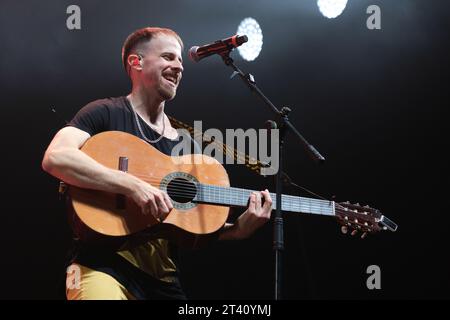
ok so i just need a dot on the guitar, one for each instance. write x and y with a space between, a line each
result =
199 189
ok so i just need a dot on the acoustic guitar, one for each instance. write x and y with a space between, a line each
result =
199 189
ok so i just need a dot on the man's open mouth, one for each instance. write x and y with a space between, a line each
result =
171 79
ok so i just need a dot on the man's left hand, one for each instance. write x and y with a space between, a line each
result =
256 215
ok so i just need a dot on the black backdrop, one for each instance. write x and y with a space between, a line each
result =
372 101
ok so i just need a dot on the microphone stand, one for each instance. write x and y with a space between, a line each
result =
282 122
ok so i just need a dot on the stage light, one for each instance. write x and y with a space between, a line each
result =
331 8
250 50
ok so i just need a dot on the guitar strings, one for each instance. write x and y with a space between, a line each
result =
187 186
184 189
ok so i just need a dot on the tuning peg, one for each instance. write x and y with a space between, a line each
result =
364 235
357 204
354 232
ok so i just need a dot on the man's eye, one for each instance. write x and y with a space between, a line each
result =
166 57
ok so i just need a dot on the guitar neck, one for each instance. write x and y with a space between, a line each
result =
237 197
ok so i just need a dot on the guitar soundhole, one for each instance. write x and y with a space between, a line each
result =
181 190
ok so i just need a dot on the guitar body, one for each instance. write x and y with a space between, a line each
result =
117 216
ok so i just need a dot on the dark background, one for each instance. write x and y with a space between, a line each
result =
372 102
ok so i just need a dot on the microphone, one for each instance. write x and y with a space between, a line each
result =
197 53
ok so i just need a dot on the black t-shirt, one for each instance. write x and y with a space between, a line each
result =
117 114
149 270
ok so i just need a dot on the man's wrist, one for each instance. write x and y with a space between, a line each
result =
229 232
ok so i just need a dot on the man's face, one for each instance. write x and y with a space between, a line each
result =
162 66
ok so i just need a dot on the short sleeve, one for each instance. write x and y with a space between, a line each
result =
92 118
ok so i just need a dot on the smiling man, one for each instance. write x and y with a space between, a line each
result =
152 58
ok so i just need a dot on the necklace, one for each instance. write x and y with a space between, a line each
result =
140 128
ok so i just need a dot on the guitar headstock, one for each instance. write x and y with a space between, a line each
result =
362 218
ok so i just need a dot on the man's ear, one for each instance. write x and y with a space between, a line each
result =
135 61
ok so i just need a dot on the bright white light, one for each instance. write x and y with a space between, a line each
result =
331 8
250 50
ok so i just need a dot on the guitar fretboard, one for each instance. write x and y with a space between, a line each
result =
238 197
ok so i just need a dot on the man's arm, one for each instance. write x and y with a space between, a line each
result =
254 217
64 160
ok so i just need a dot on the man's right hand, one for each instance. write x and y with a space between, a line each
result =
152 200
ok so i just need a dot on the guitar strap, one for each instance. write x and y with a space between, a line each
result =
250 162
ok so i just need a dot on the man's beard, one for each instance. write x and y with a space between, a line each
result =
167 94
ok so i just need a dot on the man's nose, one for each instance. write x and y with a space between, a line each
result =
178 66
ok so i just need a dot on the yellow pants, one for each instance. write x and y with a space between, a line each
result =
83 283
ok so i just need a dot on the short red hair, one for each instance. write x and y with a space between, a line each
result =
141 36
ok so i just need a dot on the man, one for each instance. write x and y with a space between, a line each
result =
152 59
